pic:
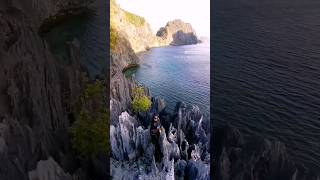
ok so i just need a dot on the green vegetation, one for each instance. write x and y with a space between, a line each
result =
89 132
114 36
140 102
113 12
136 20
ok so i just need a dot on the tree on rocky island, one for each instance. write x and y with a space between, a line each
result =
140 102
89 132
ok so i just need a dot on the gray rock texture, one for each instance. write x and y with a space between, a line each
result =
48 170
133 154
37 93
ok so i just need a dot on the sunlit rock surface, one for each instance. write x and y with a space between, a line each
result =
177 32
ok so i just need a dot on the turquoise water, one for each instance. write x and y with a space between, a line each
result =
178 73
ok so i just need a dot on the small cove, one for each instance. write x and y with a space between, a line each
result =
177 73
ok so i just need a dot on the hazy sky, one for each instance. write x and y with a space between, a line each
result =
159 12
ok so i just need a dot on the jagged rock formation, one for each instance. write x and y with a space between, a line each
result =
185 150
177 32
255 158
37 94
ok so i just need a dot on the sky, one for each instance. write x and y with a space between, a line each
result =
158 12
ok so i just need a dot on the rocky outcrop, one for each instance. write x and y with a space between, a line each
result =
185 152
255 158
177 32
37 94
122 56
48 170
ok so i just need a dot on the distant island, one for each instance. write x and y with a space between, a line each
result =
177 32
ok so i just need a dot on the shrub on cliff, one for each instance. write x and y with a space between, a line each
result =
113 37
89 132
134 19
140 102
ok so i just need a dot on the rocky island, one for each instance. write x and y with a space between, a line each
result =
177 32
184 141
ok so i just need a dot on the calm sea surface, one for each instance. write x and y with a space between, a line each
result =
266 71
178 73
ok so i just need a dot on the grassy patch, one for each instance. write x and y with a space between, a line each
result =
136 20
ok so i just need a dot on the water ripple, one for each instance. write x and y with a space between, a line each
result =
267 71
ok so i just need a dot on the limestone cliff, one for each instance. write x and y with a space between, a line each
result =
134 28
127 36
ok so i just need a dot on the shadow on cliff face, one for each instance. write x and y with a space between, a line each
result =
182 38
37 93
254 158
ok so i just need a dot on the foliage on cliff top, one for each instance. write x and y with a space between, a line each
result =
89 132
114 36
134 19
140 102
113 7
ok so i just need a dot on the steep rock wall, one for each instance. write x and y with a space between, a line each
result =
37 94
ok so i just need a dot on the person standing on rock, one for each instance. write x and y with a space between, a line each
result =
155 130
